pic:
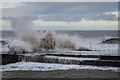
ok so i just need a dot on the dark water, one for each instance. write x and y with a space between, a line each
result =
81 33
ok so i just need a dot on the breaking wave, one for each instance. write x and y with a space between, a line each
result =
29 40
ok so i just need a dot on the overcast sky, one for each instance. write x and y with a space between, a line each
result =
63 15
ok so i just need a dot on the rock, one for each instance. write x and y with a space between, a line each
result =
4 42
111 41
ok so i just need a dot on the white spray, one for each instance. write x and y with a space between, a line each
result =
30 41
26 34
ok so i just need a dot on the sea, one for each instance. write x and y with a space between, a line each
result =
103 42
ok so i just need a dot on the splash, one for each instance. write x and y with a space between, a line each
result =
25 32
29 40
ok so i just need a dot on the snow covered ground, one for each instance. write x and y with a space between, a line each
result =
34 66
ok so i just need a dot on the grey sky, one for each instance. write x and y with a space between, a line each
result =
60 0
62 11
